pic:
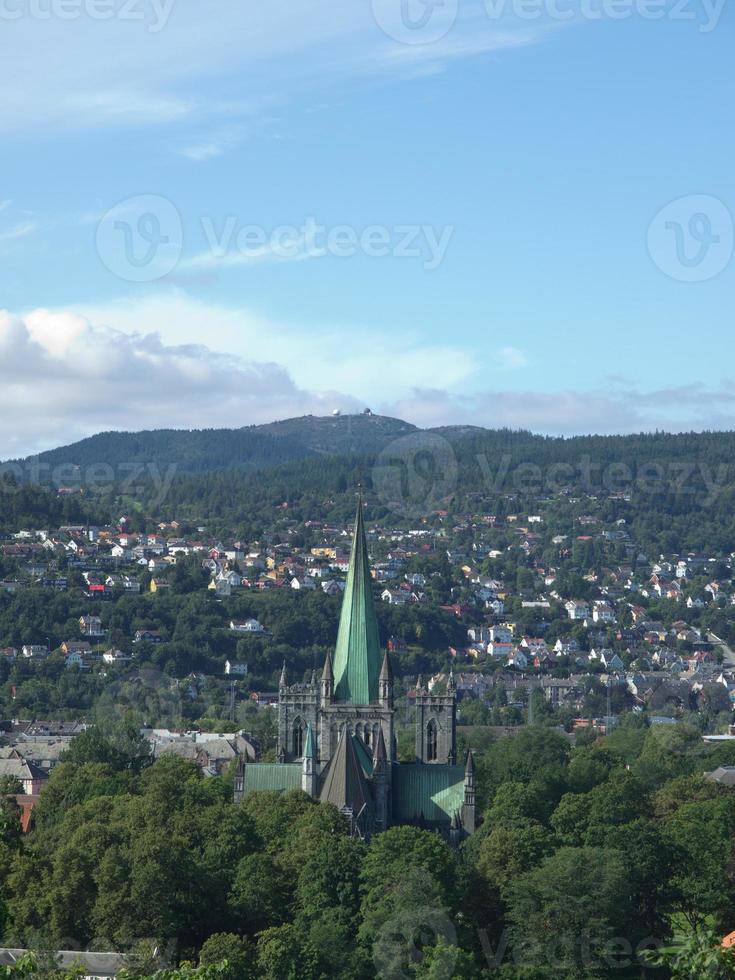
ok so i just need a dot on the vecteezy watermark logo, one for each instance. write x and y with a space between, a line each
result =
236 244
415 21
153 13
428 21
415 474
401 943
141 238
691 239
133 479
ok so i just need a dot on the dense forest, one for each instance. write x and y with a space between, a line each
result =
591 861
202 450
676 492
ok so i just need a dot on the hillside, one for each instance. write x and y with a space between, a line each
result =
252 447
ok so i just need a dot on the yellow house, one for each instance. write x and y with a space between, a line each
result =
324 552
159 584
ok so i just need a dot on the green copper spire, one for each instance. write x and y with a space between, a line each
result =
357 657
310 747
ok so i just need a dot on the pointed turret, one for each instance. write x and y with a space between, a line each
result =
327 680
357 656
282 681
308 768
385 683
451 683
310 746
380 756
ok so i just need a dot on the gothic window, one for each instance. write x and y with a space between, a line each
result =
298 738
431 741
368 736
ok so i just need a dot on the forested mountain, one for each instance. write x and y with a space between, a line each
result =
675 492
249 448
478 452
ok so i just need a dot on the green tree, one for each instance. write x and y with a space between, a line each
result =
223 947
563 913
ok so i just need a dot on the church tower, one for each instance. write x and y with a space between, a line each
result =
298 709
436 724
357 685
336 738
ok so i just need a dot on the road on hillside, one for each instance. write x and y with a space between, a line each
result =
728 657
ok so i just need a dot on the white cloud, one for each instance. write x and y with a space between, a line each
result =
62 377
65 375
292 247
141 364
615 409
370 363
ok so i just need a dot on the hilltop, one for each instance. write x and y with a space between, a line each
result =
252 447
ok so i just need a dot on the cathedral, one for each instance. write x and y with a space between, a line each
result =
336 737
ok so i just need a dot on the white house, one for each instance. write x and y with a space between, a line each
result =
497 649
91 626
235 670
34 650
603 612
116 657
246 626
395 597
577 609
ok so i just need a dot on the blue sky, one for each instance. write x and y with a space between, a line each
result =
524 162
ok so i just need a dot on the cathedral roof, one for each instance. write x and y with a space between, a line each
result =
272 776
344 784
429 792
357 656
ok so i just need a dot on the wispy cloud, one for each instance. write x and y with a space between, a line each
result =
292 248
16 232
213 144
510 358
123 72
